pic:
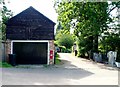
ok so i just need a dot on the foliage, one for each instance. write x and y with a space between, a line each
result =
6 14
89 20
57 60
63 48
5 65
86 24
111 43
85 45
60 33
64 40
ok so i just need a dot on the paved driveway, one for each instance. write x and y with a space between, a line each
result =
73 71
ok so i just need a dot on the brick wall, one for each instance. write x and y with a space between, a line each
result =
8 49
51 47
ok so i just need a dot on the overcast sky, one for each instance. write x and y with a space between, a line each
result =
43 6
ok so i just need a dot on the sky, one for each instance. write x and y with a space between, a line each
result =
43 6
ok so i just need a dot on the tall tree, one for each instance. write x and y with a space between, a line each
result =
6 14
89 19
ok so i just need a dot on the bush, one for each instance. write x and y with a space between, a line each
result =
111 42
69 50
57 60
63 48
84 46
66 40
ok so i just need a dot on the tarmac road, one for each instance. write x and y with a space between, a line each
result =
72 71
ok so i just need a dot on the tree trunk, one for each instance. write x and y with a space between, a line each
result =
91 38
95 45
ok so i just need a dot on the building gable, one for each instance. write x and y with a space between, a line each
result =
30 25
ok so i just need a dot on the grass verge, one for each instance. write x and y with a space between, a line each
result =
57 60
5 65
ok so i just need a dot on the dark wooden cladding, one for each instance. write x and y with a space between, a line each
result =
30 25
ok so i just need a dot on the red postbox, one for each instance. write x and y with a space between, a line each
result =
51 54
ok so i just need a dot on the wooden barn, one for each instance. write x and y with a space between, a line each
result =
30 36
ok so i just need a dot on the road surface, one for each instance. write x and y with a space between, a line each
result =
72 71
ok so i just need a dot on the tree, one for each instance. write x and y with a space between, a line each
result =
6 14
86 24
91 20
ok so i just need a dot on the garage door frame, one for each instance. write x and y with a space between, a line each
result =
29 42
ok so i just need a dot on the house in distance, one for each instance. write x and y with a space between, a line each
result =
30 36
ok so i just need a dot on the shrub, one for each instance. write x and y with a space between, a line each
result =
66 40
63 48
84 46
57 60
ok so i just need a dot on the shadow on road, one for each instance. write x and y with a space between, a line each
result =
56 75
63 74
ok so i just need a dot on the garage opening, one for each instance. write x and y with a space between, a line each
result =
31 52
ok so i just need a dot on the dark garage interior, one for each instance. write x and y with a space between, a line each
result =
30 52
